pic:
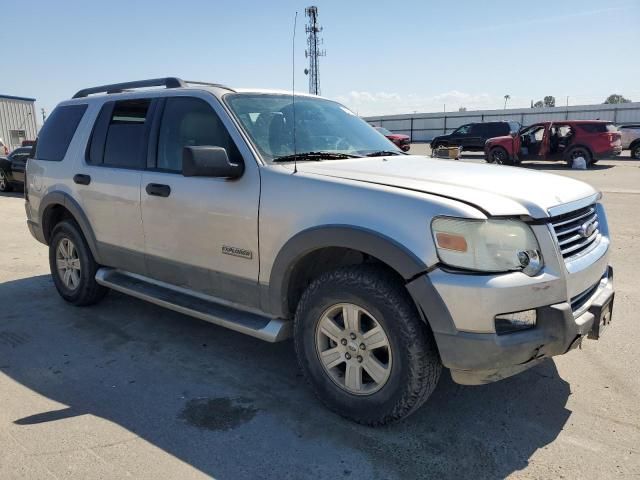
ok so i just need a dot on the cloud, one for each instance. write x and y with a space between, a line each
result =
386 103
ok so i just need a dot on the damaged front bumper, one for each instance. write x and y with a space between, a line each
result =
478 358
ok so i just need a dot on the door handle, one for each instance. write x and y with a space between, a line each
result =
158 190
82 179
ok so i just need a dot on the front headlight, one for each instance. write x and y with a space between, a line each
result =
487 245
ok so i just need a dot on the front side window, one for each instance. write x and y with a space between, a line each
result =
188 121
463 130
320 126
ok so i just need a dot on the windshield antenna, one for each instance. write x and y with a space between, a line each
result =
293 92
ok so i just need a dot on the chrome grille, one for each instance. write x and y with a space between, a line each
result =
577 231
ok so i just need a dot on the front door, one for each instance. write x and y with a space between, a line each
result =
201 233
533 141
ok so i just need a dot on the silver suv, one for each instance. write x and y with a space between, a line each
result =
277 215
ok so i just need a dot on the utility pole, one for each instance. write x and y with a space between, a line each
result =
313 52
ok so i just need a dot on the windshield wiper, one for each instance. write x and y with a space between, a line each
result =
315 156
383 153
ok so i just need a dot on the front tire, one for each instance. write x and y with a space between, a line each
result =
499 156
73 267
5 185
363 347
635 151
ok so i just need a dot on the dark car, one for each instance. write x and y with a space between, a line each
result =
12 168
472 136
403 142
564 140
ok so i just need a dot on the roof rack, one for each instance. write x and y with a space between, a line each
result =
168 82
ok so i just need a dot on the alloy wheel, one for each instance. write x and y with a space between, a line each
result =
68 264
3 181
354 349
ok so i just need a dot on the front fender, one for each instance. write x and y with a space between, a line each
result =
385 249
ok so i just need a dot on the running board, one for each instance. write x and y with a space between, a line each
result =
195 305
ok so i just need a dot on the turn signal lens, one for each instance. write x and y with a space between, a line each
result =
451 242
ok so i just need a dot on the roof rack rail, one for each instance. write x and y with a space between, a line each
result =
168 82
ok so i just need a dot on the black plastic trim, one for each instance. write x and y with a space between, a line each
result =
65 200
367 241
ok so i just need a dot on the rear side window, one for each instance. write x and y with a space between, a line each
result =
57 132
120 134
598 127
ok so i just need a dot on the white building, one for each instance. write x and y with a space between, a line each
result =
17 120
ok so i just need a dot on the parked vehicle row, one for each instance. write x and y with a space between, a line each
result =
385 267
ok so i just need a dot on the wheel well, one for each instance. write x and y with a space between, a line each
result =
323 260
573 147
53 215
634 144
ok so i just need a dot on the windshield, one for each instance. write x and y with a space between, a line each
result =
320 126
383 130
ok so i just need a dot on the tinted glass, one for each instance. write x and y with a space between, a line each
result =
125 144
383 131
320 125
57 132
463 130
598 127
499 129
190 122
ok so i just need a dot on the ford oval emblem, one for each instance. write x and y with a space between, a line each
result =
587 229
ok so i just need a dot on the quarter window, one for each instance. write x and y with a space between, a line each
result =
188 121
57 132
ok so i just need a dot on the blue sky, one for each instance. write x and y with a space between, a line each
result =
382 57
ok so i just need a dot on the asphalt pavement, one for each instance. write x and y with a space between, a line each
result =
125 389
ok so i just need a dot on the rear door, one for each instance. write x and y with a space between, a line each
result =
201 233
108 183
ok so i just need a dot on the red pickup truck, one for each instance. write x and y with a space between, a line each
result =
590 139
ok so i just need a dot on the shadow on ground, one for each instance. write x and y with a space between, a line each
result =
228 404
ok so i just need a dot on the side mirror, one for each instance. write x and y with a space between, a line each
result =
206 161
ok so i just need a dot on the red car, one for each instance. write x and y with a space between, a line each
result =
567 140
403 142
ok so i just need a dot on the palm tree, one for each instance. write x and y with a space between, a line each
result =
506 97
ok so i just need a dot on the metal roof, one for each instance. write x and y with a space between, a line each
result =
11 97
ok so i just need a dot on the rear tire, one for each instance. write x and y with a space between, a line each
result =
579 152
73 267
388 339
5 185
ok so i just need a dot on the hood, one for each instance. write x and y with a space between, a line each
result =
398 136
504 138
495 189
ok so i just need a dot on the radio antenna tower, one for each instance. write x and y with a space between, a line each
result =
313 52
